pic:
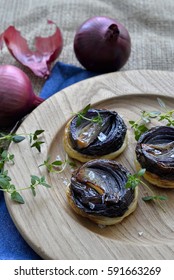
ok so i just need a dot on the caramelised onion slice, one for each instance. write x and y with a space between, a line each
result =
98 139
155 151
97 190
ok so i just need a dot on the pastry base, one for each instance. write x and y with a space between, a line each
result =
103 220
155 179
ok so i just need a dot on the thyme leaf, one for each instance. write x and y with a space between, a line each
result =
154 197
133 182
6 186
17 138
142 124
16 196
5 156
34 139
37 145
56 166
82 116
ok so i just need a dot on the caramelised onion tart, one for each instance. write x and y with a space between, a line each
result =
100 134
155 153
97 191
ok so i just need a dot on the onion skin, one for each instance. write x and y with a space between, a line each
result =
155 151
112 126
16 95
101 192
102 44
39 61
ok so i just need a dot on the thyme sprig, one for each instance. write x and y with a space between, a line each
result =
135 179
167 115
57 166
8 187
5 157
82 116
34 138
142 124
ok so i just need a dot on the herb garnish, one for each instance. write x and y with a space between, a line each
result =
34 139
17 138
81 116
133 182
6 157
141 125
6 186
56 166
168 115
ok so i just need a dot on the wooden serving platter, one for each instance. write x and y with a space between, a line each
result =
46 221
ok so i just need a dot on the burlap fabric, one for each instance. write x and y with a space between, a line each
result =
150 23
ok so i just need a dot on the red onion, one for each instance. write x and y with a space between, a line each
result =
102 44
17 98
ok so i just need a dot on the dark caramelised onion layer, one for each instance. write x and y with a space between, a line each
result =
98 139
98 187
155 151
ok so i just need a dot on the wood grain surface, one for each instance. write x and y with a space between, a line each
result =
46 221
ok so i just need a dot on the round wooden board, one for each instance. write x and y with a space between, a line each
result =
46 221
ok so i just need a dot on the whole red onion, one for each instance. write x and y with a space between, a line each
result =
17 98
102 44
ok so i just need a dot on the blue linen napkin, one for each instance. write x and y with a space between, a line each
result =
64 75
12 245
